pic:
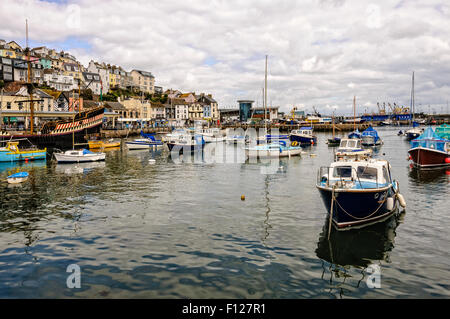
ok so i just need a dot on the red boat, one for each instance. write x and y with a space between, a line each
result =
429 150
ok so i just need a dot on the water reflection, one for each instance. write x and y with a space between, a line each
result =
347 254
79 168
426 176
14 167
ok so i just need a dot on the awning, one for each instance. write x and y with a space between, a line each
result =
11 119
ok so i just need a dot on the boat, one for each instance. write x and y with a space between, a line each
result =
146 142
334 141
358 193
351 149
443 131
212 135
94 144
279 149
269 138
415 131
400 133
370 137
429 150
12 153
356 133
17 178
303 136
235 139
78 156
186 143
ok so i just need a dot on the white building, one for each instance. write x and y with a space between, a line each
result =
59 82
103 71
92 81
181 112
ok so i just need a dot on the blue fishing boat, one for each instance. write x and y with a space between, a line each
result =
146 142
370 137
303 136
358 193
355 134
12 153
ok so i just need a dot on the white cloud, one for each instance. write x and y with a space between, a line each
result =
321 52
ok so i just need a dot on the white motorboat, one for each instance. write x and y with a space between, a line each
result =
142 144
273 150
212 135
352 149
17 178
79 156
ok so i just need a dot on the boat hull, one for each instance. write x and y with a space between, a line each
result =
272 153
370 141
141 146
303 140
411 135
425 157
185 148
31 155
334 141
64 158
358 208
100 144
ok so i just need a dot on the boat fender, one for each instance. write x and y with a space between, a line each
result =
447 160
294 143
401 200
390 203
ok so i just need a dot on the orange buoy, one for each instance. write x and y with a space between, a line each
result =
242 197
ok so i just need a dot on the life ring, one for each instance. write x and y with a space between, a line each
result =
294 143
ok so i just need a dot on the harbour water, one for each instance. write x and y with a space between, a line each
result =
181 230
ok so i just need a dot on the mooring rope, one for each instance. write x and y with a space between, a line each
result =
358 218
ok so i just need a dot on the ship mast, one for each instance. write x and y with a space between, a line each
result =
29 84
354 113
265 97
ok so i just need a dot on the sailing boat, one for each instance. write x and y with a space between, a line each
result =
58 134
335 141
415 131
356 133
78 156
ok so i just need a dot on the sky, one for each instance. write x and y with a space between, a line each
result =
321 53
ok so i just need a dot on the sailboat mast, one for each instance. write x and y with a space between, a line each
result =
265 96
413 106
29 85
354 113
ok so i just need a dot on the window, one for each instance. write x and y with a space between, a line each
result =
386 174
342 171
367 172
8 105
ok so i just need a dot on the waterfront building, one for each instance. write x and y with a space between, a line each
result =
20 72
58 81
143 80
271 113
245 110
92 81
157 112
188 97
181 112
74 70
117 77
210 107
6 70
103 71
170 112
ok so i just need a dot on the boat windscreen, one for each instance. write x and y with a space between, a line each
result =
366 172
342 171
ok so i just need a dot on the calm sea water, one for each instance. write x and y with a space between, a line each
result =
181 230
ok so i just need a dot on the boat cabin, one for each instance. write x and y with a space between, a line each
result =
364 174
350 144
304 131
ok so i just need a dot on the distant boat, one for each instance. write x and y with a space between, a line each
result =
212 135
355 134
78 156
415 131
279 149
235 139
370 137
12 153
334 141
17 178
303 136
93 144
429 150
269 138
146 142
351 149
186 143
358 193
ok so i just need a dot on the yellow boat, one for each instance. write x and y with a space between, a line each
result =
103 144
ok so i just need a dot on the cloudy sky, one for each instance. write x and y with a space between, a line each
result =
321 52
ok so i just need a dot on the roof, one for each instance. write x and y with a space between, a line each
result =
115 106
54 94
89 104
144 73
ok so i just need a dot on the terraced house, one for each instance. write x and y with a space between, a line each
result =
143 80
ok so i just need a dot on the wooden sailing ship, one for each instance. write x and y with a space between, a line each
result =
59 134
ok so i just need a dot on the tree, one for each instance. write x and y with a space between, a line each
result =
87 94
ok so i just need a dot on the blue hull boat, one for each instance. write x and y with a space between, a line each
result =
358 193
303 136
